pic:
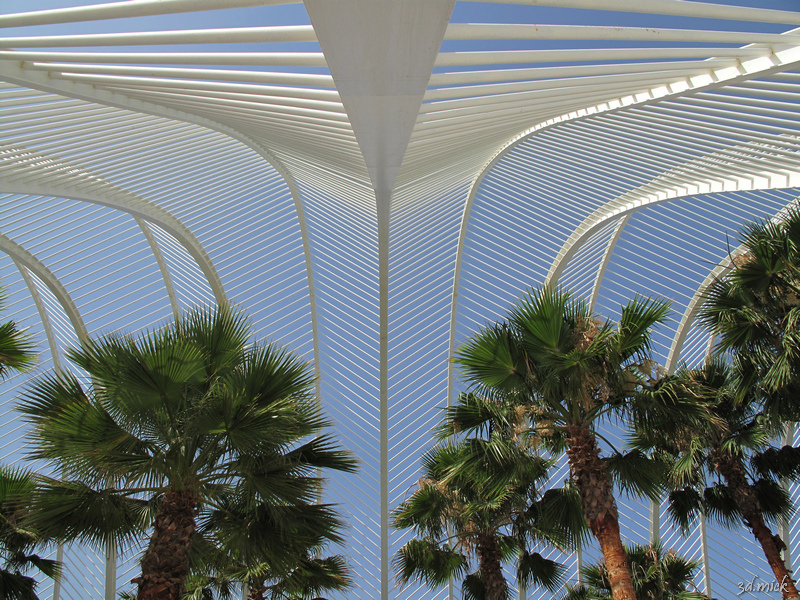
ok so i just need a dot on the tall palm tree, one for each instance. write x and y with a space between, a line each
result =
657 575
754 311
174 421
728 466
569 371
479 501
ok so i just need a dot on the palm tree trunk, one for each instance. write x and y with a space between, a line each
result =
600 508
750 508
491 570
257 590
165 564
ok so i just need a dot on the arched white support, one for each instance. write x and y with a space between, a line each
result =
162 265
54 353
762 66
601 270
23 258
690 313
16 73
656 192
27 263
137 208
43 314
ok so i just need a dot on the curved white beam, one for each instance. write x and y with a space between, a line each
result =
693 308
23 258
14 72
275 59
162 265
511 57
47 325
776 62
656 192
171 74
509 31
601 270
54 178
238 35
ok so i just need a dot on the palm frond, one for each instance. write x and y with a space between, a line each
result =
721 507
16 349
777 463
313 576
473 588
684 506
774 500
558 517
636 473
16 586
426 561
489 361
71 510
632 338
534 569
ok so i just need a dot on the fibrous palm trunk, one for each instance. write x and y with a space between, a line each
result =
490 566
599 507
750 508
257 590
165 564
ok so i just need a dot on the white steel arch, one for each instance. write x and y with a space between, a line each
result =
60 180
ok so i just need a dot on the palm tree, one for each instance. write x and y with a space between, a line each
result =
657 575
175 421
479 497
728 466
17 540
568 371
754 311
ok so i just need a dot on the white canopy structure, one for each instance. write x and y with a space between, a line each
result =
372 180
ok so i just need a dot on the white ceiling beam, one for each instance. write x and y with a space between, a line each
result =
262 77
232 35
258 59
145 82
509 57
516 75
679 8
381 55
509 31
127 9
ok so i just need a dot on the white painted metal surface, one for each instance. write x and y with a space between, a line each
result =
372 180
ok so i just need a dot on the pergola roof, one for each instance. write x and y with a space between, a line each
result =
372 180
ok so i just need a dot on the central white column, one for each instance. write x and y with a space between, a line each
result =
381 54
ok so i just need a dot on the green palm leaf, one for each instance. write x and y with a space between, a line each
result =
426 561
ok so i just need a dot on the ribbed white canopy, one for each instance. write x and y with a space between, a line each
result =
372 180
